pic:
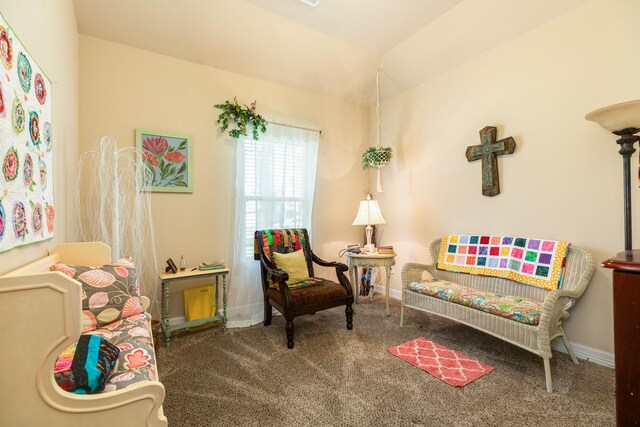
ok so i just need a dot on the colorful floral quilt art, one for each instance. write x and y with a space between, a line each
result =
535 262
26 155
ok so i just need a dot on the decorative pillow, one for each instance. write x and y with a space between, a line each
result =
85 365
109 293
294 263
62 369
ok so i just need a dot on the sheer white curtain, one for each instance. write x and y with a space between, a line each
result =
275 180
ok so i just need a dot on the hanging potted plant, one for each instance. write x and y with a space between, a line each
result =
376 157
240 118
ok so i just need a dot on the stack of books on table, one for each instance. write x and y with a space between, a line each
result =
215 265
385 250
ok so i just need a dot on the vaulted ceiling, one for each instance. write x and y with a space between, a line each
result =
334 48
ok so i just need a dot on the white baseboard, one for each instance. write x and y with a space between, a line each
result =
230 323
591 354
231 313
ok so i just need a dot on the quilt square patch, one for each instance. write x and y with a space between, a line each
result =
527 268
548 246
520 242
531 256
517 253
542 271
544 259
514 264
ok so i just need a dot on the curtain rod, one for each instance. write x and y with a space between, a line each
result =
295 127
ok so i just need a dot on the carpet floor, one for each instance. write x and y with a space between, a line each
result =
336 377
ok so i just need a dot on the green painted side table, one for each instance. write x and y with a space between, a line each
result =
168 278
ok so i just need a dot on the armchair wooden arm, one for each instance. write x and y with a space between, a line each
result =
338 265
340 270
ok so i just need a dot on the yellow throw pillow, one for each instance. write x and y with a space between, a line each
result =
294 264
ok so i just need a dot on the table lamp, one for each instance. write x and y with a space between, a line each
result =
623 120
369 214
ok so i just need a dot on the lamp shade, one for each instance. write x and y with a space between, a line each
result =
618 116
369 213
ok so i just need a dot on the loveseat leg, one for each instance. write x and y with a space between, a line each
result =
547 374
402 314
349 312
569 348
268 312
289 329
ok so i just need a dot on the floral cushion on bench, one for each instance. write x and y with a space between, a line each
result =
137 360
109 292
521 310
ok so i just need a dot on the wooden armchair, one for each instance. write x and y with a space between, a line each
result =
303 297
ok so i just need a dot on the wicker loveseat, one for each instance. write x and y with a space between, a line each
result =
533 334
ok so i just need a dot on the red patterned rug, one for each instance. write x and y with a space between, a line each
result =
452 367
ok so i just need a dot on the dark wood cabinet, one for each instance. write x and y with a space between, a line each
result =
626 316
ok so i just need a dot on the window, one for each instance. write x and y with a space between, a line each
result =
275 180
278 174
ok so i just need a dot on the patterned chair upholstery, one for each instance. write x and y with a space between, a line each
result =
304 297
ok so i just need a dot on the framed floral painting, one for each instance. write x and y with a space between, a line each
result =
168 157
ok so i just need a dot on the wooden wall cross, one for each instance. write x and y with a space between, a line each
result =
488 151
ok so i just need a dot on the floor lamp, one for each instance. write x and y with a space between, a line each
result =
622 120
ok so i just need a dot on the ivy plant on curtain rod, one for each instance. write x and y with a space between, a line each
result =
275 180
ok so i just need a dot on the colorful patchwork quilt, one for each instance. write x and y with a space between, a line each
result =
535 262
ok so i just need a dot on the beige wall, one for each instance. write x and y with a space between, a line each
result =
124 88
564 179
48 30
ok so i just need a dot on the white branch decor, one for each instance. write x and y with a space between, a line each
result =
114 209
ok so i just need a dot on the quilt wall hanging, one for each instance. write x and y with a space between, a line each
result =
26 185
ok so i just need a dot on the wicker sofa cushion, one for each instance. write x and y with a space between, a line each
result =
521 310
